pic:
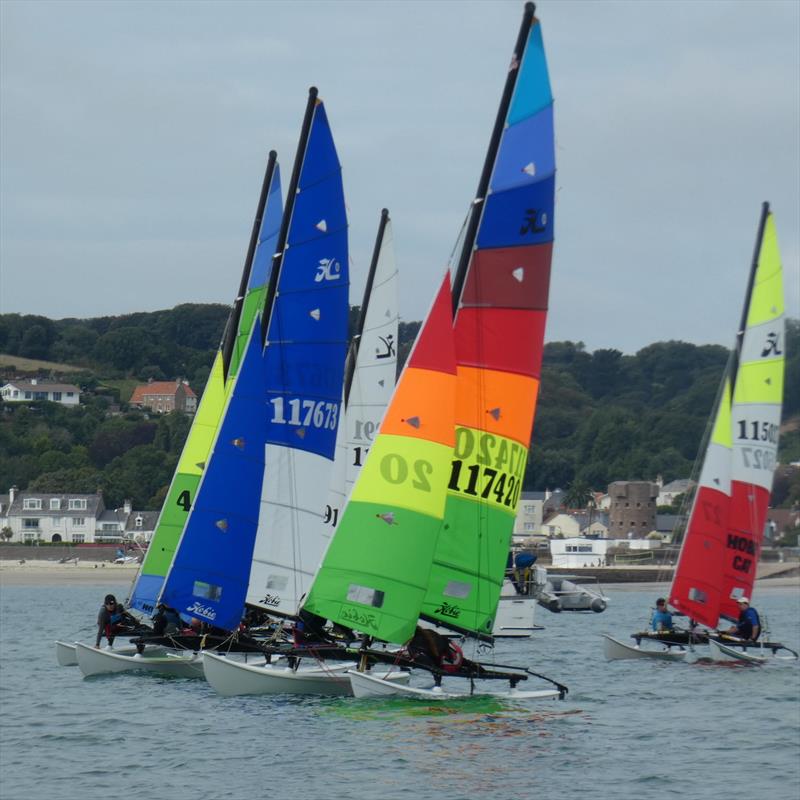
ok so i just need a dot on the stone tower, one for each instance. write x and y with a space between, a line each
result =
633 509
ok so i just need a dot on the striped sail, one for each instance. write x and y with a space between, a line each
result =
375 572
696 590
755 418
304 360
501 292
196 450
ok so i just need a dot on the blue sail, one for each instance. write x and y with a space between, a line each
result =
286 397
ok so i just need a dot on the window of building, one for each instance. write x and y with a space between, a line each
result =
40 395
56 395
529 526
28 538
70 394
55 503
77 538
28 395
78 522
139 521
30 523
77 504
57 522
109 526
32 504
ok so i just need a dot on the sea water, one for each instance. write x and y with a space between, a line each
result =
627 729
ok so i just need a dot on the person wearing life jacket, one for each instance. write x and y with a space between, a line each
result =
166 620
661 620
111 620
749 625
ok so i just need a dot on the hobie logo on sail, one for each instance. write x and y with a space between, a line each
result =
329 269
271 600
772 346
202 611
447 610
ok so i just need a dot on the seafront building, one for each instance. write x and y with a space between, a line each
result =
73 518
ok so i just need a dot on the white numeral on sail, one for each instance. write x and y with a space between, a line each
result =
305 413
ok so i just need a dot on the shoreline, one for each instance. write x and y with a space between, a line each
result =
99 573
52 573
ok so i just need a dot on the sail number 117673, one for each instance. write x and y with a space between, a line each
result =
304 413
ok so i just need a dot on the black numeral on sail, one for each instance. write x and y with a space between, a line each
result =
758 431
484 482
184 500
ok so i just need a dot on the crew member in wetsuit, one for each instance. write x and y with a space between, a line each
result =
749 625
166 620
111 620
432 650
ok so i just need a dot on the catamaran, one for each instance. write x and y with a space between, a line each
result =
425 535
720 550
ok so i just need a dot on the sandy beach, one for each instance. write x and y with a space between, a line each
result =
52 573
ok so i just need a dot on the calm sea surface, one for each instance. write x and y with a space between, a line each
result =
629 729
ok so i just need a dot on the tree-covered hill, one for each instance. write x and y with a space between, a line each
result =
602 415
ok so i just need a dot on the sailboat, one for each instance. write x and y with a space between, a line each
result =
721 546
427 529
197 448
369 380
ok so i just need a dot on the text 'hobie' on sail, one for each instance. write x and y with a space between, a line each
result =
720 549
247 308
291 378
416 544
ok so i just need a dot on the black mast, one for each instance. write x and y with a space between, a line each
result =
277 259
751 280
232 326
355 343
491 154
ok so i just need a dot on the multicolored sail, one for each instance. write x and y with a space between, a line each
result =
197 448
755 417
375 572
305 351
500 296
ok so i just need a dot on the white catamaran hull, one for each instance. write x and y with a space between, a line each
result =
614 650
231 678
725 652
93 661
366 685
67 657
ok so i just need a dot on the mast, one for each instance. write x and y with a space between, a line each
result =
476 208
280 247
352 353
232 326
750 281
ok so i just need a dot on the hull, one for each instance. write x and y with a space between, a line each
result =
65 654
515 617
615 650
230 678
104 662
725 652
369 686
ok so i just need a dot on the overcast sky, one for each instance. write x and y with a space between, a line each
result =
133 139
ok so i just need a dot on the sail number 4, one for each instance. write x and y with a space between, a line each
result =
305 413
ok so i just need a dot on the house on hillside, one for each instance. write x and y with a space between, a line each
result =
669 491
165 396
22 391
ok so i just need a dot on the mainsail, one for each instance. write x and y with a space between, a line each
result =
375 572
719 555
286 398
304 356
196 450
500 300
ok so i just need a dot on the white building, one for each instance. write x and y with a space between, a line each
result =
579 552
26 391
72 518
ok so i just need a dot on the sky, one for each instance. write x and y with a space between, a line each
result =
133 139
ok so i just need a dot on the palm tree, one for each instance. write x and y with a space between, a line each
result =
578 495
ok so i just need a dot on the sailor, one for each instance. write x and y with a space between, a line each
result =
749 625
662 619
111 620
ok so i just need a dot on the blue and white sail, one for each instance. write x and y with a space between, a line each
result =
286 400
304 360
